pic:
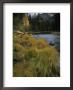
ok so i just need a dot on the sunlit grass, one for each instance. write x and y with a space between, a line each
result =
34 57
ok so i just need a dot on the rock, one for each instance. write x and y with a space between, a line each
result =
51 43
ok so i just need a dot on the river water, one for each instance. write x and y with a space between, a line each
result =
52 39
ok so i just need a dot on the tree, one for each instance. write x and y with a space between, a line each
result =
18 21
26 22
57 22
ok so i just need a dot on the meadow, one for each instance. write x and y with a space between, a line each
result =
34 57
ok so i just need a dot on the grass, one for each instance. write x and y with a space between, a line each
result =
34 57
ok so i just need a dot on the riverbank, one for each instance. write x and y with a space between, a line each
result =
45 32
41 32
28 57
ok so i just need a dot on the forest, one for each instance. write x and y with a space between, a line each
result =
33 55
37 23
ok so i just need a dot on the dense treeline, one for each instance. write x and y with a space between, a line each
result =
49 24
37 23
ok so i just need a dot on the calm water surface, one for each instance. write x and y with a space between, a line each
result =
50 38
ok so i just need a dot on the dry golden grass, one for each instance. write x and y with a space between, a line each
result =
34 58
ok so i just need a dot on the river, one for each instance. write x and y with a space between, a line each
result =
52 39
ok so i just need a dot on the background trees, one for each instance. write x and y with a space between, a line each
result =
36 23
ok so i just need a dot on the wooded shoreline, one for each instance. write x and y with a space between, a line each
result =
42 32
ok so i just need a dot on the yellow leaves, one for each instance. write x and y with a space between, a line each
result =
26 22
